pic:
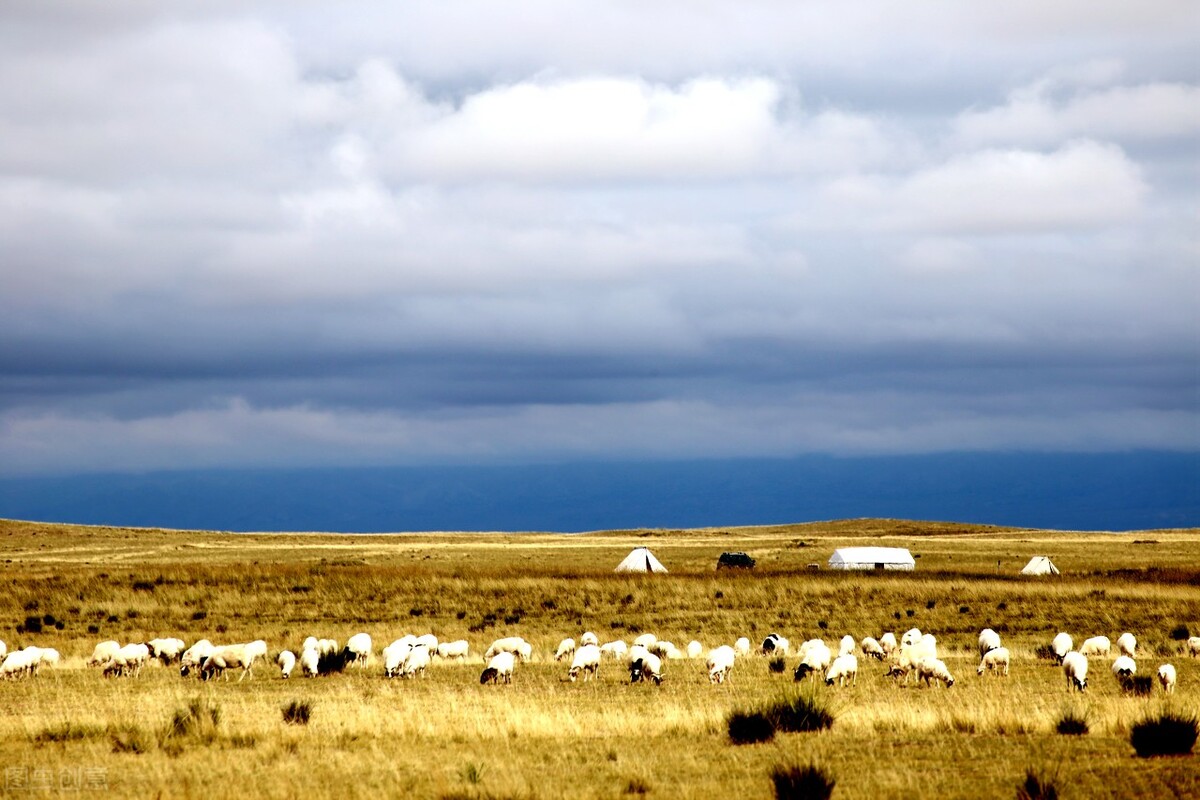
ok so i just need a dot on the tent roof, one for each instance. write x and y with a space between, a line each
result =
640 559
871 555
1040 565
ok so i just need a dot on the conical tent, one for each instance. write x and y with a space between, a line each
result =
640 560
1040 565
871 558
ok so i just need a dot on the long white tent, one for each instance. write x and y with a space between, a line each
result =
871 558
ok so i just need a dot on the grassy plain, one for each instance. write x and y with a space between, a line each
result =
447 736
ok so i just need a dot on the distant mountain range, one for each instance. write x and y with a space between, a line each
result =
1127 491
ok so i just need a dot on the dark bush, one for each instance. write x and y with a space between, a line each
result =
143 586
793 782
800 714
750 727
1045 652
33 625
1138 685
1072 723
964 609
930 604
1035 787
777 665
1180 633
1169 734
93 628
330 663
48 619
297 712
199 615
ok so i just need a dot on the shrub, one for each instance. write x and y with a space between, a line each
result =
297 712
800 713
964 609
329 663
1036 787
32 625
68 732
1045 652
1180 633
143 586
197 722
750 727
636 786
93 628
1169 734
793 782
777 664
1138 685
1072 723
130 739
199 615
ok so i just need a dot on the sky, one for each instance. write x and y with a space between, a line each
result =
300 234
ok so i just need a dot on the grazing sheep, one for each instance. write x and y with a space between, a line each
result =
911 636
694 649
102 653
1123 668
871 648
286 662
3 650
327 646
429 641
888 643
456 649
1166 677
310 661
416 663
742 646
1095 646
1062 644
988 640
843 670
1193 646
664 649
847 645
359 648
586 660
393 657
927 647
933 670
17 664
636 652
194 656
511 644
645 640
499 668
616 649
774 644
1075 668
566 649
815 658
1127 644
127 661
589 638
233 656
996 661
166 651
646 668
720 661
50 657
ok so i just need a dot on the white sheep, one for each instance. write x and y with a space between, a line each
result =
1075 668
988 640
128 660
888 643
1095 646
310 661
166 650
871 648
456 649
286 662
3 650
1193 646
499 668
815 659
566 649
394 656
233 656
933 670
416 663
847 645
194 656
843 670
911 636
510 644
102 653
927 647
587 661
1127 644
664 649
646 668
742 646
995 660
1123 668
1166 677
720 661
327 646
589 638
429 641
616 649
645 640
17 664
50 657
1062 644
359 647
694 649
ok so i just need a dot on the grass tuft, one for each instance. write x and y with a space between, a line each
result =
1071 723
777 665
297 712
1169 734
794 782
196 723
800 714
1036 787
750 727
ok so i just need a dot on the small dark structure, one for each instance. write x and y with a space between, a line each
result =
735 561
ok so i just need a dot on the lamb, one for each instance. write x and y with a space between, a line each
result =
720 661
194 656
988 640
1127 644
645 640
1075 668
417 661
511 644
499 668
587 661
871 648
1193 646
847 645
566 649
166 650
359 648
1095 646
646 668
456 649
310 661
589 638
815 658
694 649
394 656
615 649
995 660
742 646
103 652
1124 668
286 662
934 670
1166 677
1062 644
843 670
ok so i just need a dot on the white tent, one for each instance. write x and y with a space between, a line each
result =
1040 565
640 560
871 558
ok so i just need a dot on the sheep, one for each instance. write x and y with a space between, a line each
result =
637 652
694 649
417 661
166 651
1193 646
1095 646
3 650
815 657
616 649
720 661
927 647
566 649
327 646
456 649
17 664
102 653
742 646
1075 668
934 670
843 670
646 668
847 645
888 643
911 636
587 661
511 644
286 662
664 649
1166 677
499 667
988 640
1127 644
1062 644
589 638
429 641
995 660
310 661
775 644
645 640
127 660
359 648
871 648
394 656
50 657
233 655
194 656
1124 668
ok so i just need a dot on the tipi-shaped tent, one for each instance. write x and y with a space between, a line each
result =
871 558
1040 565
640 560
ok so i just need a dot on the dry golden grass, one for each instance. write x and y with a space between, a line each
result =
447 736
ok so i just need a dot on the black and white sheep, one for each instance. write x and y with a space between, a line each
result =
499 668
566 649
287 662
933 670
648 667
871 648
988 640
358 648
1127 644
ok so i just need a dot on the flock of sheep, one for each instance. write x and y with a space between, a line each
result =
916 653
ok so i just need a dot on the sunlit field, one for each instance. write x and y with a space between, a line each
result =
69 730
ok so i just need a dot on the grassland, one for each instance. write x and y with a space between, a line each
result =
447 736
